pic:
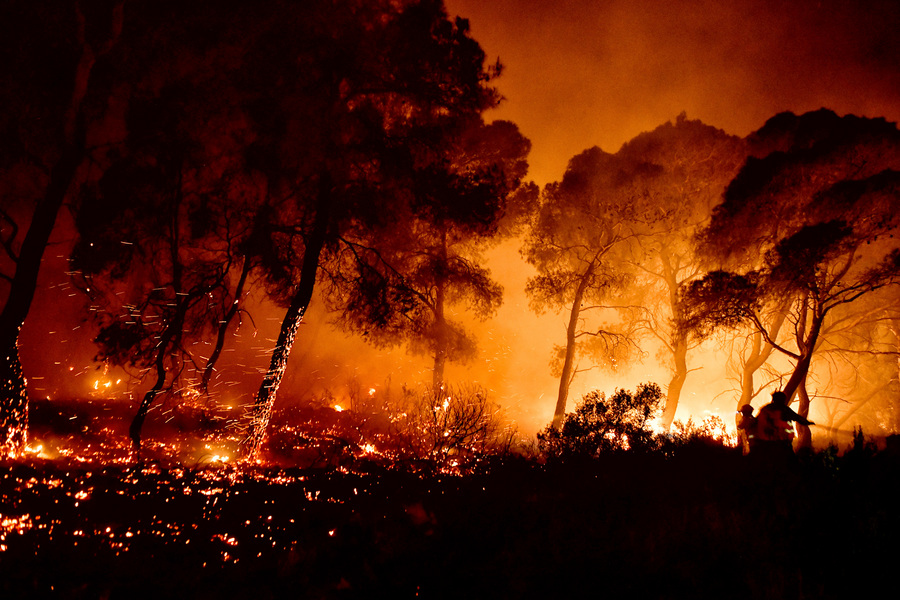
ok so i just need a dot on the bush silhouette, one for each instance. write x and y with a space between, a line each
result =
600 424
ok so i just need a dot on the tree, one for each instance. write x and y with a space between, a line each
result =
340 130
465 202
693 162
617 232
160 245
576 228
50 54
600 424
806 230
165 234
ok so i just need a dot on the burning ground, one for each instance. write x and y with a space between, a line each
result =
698 520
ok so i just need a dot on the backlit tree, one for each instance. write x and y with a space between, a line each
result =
351 99
807 229
464 203
615 236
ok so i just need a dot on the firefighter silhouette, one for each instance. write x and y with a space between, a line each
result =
775 425
746 426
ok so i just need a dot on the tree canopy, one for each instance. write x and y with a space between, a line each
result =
465 202
614 238
806 229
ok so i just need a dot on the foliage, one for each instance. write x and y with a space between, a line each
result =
402 288
612 242
720 300
600 424
711 431
451 429
806 235
343 133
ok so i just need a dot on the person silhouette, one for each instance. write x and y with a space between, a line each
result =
775 425
746 426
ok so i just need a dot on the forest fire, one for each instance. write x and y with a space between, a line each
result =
289 307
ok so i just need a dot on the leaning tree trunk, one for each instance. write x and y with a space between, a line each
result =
679 376
797 381
807 348
804 437
171 336
261 412
565 378
223 327
13 397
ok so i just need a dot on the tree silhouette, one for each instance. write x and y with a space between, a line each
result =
615 236
165 232
806 230
159 246
51 52
576 229
341 129
694 163
463 203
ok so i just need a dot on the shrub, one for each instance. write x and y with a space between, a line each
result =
600 424
451 429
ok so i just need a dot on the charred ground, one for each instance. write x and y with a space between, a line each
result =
698 521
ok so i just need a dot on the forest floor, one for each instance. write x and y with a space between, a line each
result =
705 523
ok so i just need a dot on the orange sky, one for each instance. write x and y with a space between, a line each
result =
580 73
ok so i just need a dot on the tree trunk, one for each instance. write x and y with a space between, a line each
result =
801 370
804 437
760 353
223 328
13 397
679 376
751 365
440 356
565 378
137 422
679 342
440 323
261 412
172 333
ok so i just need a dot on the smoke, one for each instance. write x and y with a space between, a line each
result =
580 73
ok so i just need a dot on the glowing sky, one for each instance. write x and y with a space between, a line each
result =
580 73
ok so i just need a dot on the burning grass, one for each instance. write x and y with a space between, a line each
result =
356 520
644 525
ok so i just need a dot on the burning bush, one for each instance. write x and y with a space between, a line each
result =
600 424
451 428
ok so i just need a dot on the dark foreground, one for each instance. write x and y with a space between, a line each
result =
706 523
